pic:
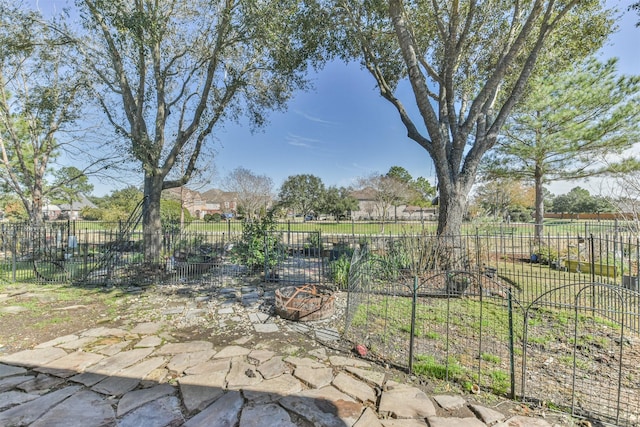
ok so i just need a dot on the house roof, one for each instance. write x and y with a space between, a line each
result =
77 204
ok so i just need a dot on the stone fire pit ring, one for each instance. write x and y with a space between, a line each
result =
304 303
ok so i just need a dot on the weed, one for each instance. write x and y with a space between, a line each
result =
492 358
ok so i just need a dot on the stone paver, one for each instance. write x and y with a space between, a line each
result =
450 403
487 415
372 377
183 361
147 328
232 351
255 416
222 413
401 401
272 368
84 408
128 378
150 341
12 398
354 388
34 358
314 377
137 398
162 412
29 412
41 384
368 419
242 374
184 347
70 364
7 370
141 375
455 422
56 341
200 390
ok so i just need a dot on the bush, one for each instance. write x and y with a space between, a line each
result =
216 217
259 246
546 254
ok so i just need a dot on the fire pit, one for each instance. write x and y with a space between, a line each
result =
304 303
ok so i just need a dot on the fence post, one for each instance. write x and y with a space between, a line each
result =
512 368
14 265
414 303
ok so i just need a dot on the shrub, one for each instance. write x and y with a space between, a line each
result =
259 245
216 217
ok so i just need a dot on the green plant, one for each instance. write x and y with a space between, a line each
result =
260 246
429 366
546 254
314 240
340 271
492 358
499 381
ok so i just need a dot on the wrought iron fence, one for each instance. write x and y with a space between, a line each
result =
507 315
540 319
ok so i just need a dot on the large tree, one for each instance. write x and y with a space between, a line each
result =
169 72
253 192
70 182
338 202
468 63
40 101
566 126
303 193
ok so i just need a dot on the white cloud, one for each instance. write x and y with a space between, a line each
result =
301 141
314 118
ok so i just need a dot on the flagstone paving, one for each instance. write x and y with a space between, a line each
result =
153 373
205 386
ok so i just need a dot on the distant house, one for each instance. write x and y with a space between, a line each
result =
210 202
191 199
72 211
370 209
221 202
51 212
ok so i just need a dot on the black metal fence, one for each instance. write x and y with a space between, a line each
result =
552 320
507 314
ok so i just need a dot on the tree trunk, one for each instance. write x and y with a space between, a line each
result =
152 224
451 210
539 202
35 210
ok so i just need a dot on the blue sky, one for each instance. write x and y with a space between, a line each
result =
342 129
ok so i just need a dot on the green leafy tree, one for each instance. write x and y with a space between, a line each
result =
423 191
339 202
41 96
70 182
566 126
579 200
468 63
119 204
167 73
400 173
303 193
